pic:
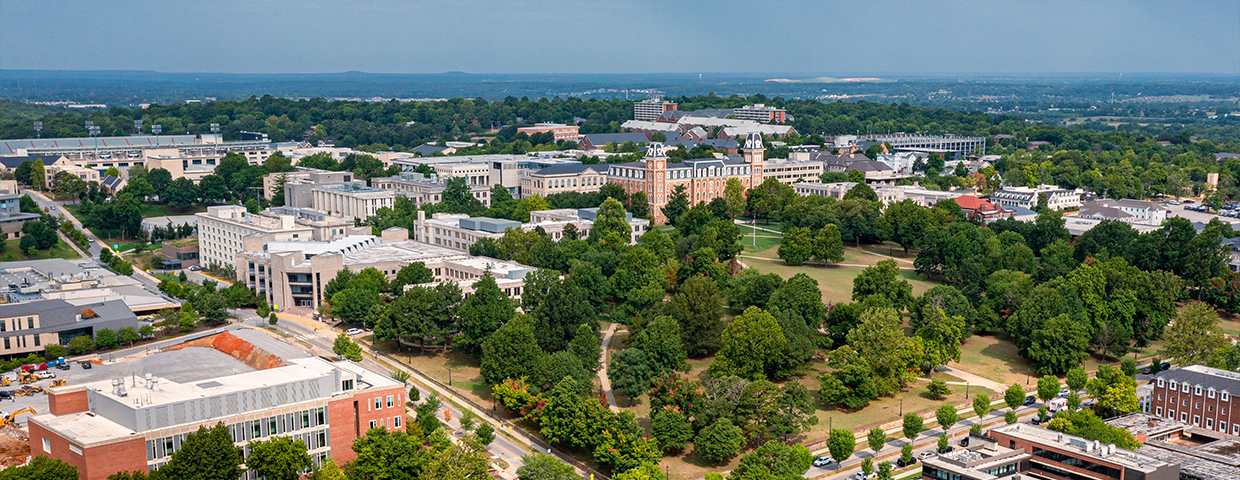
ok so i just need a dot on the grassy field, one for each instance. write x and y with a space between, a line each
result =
835 281
13 252
993 357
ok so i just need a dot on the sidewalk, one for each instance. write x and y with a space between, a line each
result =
602 371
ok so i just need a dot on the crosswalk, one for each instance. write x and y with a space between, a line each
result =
308 336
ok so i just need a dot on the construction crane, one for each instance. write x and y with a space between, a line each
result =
8 419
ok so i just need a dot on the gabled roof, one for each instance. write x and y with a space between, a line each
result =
428 149
972 203
14 162
1204 376
111 181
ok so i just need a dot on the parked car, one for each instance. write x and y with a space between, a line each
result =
195 268
1175 202
1146 371
900 462
1035 420
63 366
1030 400
863 476
86 365
925 455
823 461
44 375
1064 393
964 442
6 394
354 331
1164 366
949 449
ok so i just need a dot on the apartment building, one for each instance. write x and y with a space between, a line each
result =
63 164
703 179
650 109
761 113
423 190
1201 396
561 131
459 231
351 200
294 274
222 229
563 178
114 425
886 194
1127 211
1027 197
30 327
1061 456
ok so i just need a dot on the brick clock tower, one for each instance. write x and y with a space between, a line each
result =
753 153
656 179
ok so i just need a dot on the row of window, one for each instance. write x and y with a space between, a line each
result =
1072 461
1209 408
15 324
254 430
1197 390
20 341
1222 426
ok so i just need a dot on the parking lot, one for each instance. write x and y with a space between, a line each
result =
1203 217
181 366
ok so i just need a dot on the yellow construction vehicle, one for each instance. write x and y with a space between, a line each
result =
26 377
8 419
5 381
59 382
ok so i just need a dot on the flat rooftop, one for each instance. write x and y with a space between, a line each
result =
356 187
1086 448
407 251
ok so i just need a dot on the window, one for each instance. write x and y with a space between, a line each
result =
1222 427
1172 384
1160 397
1225 397
36 340
30 322
396 421
1196 420
389 401
373 424
1209 423
1183 416
1197 391
1184 387
378 403
47 446
1158 411
1210 394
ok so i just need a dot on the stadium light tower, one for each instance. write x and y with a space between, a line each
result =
93 131
157 129
38 129
137 127
215 128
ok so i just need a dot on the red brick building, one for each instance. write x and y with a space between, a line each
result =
106 427
560 130
1200 396
1060 456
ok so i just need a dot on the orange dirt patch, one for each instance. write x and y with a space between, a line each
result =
14 446
237 348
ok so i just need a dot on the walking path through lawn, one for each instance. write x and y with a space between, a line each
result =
972 379
602 371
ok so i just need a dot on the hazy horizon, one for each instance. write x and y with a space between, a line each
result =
531 37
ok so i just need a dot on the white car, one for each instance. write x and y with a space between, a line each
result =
354 332
1063 393
823 461
925 455
863 476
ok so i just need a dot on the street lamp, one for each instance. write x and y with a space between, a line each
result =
901 408
966 390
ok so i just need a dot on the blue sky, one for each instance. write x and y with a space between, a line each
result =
623 36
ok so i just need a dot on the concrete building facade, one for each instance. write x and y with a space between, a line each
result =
561 131
563 178
1027 197
30 327
650 109
1061 456
222 229
459 231
423 190
351 200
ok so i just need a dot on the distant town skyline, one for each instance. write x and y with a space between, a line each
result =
560 36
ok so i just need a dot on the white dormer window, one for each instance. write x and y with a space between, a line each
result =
1173 384
1225 397
1210 393
1162 383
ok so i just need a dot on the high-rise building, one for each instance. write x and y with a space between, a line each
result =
650 109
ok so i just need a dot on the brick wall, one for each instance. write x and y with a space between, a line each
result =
63 401
347 423
94 463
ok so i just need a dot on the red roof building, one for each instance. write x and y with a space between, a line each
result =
974 206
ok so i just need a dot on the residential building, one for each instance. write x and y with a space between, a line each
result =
596 141
1058 455
875 172
901 162
1056 198
560 131
703 179
792 171
983 459
351 200
1201 396
101 428
651 109
459 231
1202 454
1127 211
563 178
12 219
761 113
30 327
978 208
294 274
299 182
423 190
112 184
222 228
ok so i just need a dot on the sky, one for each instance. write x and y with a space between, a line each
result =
821 37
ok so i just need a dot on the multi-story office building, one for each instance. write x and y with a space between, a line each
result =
460 231
351 200
116 425
650 109
293 274
760 113
983 459
792 171
423 190
563 178
297 184
1201 396
703 179
12 219
1026 197
1058 455
30 327
222 229
487 170
559 130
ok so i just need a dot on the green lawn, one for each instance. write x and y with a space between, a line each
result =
835 281
13 252
993 357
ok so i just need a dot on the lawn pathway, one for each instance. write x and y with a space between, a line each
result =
972 379
602 371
